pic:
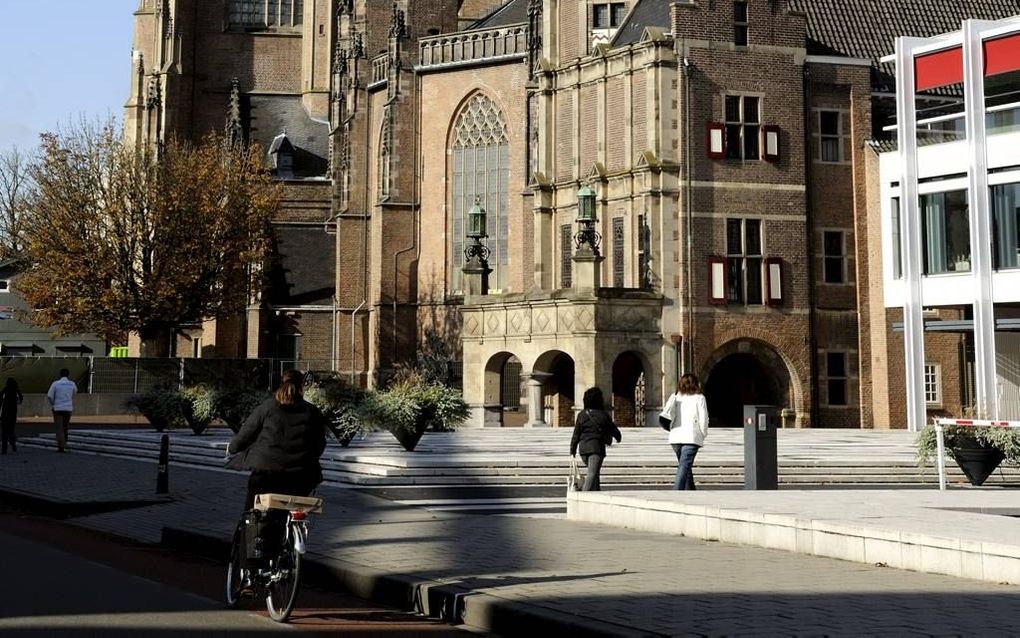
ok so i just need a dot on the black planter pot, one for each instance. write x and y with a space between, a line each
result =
976 461
408 438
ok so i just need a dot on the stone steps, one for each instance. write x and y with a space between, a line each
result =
473 458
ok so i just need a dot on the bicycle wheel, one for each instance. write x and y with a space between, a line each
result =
234 577
281 592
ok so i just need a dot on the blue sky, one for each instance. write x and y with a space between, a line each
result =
60 59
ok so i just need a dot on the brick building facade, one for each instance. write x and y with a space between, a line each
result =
726 144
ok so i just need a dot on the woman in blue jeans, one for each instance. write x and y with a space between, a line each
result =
687 416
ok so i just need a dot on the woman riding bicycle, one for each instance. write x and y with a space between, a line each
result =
281 443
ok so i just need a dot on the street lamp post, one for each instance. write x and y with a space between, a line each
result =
476 265
587 238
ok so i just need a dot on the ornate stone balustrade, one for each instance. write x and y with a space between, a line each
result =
474 46
380 68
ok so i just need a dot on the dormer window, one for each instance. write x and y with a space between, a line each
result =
281 157
740 24
606 18
608 15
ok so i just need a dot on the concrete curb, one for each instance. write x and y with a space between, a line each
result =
450 603
34 503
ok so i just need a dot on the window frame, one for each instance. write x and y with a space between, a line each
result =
842 258
610 14
737 279
936 386
742 125
842 136
844 379
741 28
264 15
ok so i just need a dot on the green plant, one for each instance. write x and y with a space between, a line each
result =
233 405
199 406
340 403
163 406
414 404
1007 440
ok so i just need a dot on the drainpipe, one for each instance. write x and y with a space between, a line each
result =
332 362
688 342
812 329
354 358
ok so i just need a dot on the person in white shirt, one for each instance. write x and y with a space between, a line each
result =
61 398
686 415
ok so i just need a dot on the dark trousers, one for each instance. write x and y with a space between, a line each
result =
7 435
591 477
685 453
62 423
289 483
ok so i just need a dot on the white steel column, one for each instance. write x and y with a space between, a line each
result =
913 321
985 384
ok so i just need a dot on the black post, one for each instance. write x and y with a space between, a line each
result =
761 465
163 471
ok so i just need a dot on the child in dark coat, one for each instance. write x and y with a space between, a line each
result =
593 431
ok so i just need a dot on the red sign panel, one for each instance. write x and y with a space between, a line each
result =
938 69
1002 55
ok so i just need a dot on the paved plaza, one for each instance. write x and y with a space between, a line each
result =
515 574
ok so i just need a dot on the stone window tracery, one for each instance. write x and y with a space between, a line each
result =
481 168
264 14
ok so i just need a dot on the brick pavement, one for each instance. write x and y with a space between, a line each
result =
520 574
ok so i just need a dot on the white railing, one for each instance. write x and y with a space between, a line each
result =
474 46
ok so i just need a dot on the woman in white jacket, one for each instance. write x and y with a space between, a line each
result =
687 413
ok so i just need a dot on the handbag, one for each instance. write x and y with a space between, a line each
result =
574 482
672 407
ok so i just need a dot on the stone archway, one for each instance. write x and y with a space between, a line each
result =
551 390
502 390
746 372
628 390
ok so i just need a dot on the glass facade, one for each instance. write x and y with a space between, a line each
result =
1006 225
945 226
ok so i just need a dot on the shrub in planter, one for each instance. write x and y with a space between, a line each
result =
977 450
412 405
235 404
164 407
340 403
199 406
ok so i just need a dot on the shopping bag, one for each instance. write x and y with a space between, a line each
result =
574 481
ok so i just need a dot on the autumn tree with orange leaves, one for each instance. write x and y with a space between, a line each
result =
121 241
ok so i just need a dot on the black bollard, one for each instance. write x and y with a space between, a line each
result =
163 471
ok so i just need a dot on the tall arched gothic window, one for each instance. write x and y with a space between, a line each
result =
481 168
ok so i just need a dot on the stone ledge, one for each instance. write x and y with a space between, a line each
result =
924 531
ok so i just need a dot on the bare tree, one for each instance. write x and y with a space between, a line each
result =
16 190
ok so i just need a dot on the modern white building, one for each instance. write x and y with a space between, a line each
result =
950 201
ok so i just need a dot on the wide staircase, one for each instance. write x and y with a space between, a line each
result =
519 457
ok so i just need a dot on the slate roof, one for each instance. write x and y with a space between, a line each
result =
513 12
270 116
646 13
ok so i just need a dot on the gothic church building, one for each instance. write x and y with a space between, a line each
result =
655 186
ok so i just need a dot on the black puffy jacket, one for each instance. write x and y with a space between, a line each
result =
592 432
282 438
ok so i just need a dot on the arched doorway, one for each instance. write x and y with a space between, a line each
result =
555 370
628 390
503 391
746 372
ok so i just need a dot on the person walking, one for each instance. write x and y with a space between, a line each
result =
686 414
61 398
10 398
593 431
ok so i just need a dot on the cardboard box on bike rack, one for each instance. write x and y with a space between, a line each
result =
308 504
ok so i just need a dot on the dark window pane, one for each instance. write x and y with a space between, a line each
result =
751 143
601 16
835 364
834 270
837 392
733 239
897 249
732 108
740 12
830 149
619 12
735 283
833 242
740 35
751 110
1006 227
829 122
733 141
752 246
754 281
945 226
